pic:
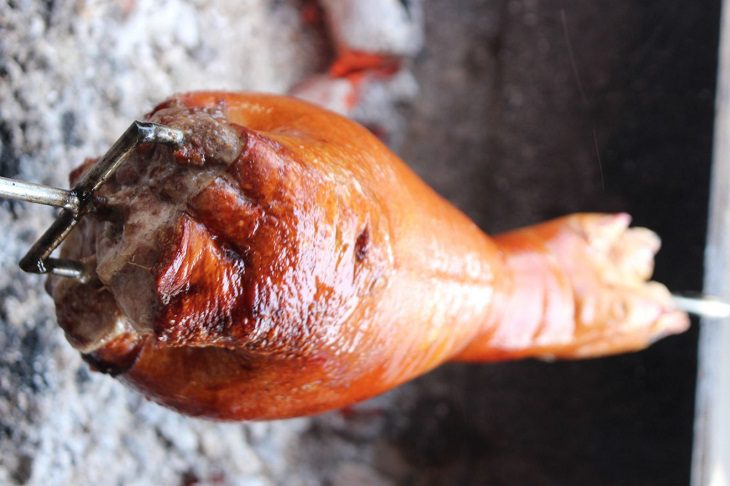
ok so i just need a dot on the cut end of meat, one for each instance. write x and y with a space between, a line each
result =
139 213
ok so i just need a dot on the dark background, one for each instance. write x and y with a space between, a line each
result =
534 109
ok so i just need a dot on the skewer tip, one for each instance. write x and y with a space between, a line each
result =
707 306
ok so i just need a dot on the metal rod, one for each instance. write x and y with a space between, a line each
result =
703 305
38 193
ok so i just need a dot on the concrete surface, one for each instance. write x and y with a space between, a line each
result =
527 109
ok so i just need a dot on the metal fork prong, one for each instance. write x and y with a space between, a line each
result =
80 198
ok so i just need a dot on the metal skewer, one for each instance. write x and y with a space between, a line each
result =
79 201
702 305
38 193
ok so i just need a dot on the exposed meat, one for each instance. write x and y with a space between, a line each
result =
285 262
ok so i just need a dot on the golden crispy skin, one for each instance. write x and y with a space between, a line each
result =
293 264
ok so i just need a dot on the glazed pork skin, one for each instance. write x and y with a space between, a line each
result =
284 262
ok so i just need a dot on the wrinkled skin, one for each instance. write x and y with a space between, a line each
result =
285 262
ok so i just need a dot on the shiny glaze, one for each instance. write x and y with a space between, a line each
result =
316 270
